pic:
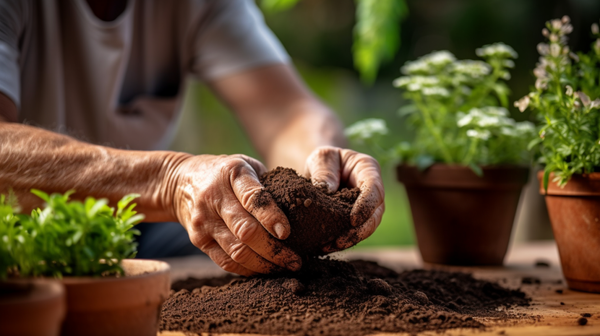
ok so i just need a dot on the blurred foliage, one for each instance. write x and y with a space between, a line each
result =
376 32
277 5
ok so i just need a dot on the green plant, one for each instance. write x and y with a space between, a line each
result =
376 32
566 100
458 109
67 238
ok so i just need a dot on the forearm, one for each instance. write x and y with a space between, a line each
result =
309 125
35 158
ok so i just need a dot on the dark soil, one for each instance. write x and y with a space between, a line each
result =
316 217
330 297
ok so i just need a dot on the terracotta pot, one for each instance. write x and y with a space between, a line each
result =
459 217
575 216
128 305
31 307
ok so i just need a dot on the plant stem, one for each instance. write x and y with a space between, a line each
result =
471 152
434 131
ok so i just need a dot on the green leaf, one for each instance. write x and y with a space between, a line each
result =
424 161
376 34
547 172
476 169
536 141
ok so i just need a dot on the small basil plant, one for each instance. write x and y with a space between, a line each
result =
458 109
66 237
566 101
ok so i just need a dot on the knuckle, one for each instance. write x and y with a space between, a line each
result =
228 265
245 230
234 166
240 253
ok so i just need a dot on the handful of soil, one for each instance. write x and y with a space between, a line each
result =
316 217
331 297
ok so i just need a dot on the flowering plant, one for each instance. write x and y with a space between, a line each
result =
458 108
566 100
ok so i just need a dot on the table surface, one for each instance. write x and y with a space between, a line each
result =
547 315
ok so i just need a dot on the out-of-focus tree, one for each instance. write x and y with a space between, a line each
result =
376 32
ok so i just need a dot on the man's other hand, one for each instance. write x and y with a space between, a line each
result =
332 166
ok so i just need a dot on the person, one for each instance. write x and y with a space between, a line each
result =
89 99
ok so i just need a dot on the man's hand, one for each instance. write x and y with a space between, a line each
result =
213 198
333 166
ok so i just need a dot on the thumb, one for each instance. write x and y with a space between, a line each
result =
323 167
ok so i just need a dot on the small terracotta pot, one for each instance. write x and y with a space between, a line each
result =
575 216
128 305
31 307
459 217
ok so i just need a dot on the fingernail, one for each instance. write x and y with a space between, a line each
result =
280 230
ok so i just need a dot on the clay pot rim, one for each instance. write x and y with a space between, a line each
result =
460 177
580 185
161 267
42 290
458 166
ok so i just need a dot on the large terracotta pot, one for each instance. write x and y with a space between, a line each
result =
459 217
31 307
575 215
128 305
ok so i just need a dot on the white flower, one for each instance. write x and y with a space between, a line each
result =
497 50
429 63
595 104
595 28
554 50
522 103
366 129
436 91
482 135
525 127
416 83
464 119
584 98
569 91
471 68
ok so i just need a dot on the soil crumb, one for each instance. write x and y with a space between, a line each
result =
332 297
316 217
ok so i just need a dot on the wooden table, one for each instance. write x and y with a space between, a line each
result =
551 313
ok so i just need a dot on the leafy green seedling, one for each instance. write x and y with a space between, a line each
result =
67 238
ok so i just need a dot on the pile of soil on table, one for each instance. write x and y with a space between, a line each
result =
331 297
316 217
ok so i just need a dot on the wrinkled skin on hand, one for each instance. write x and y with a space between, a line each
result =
331 166
214 197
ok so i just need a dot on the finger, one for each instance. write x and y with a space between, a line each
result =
250 232
241 253
323 167
250 194
363 171
356 235
258 167
223 260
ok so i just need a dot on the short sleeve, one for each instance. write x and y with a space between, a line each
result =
11 27
233 38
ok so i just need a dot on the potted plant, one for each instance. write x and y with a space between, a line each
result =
23 301
464 171
566 99
85 245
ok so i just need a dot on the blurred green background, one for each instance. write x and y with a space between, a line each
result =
318 36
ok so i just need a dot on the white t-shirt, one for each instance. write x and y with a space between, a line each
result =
119 83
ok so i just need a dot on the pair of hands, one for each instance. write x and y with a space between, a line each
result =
214 196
